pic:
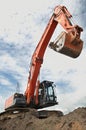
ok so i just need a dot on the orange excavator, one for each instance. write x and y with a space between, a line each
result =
41 95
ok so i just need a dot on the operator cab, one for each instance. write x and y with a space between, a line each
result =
47 96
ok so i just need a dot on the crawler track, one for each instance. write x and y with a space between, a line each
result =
13 112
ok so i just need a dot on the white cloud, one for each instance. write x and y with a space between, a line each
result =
4 81
9 63
1 103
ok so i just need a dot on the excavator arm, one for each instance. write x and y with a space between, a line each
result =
62 16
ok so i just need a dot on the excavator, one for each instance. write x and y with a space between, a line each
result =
42 94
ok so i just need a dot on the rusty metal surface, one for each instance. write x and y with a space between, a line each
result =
67 44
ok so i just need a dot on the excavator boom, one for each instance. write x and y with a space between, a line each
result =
62 16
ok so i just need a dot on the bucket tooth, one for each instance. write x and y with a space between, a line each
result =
67 44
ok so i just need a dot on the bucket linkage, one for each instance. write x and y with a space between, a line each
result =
67 44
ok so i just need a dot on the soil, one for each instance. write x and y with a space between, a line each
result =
44 120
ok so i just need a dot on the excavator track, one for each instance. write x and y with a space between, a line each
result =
16 112
13 112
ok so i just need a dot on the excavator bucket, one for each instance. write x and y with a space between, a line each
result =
67 44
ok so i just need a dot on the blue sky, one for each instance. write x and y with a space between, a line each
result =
22 24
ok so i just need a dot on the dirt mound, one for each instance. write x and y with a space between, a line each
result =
46 120
75 120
